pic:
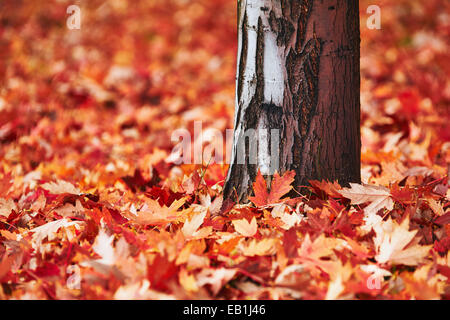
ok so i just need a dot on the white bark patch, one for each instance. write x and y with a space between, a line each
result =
252 9
249 84
274 73
263 147
274 56
274 62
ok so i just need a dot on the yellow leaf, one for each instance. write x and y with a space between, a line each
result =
264 247
154 214
6 206
245 228
379 197
60 187
50 230
187 281
190 227
216 278
392 242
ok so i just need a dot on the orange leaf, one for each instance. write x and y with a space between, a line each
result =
279 187
260 188
245 228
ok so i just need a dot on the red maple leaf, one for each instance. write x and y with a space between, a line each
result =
279 187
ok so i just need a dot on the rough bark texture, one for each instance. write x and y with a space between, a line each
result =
298 71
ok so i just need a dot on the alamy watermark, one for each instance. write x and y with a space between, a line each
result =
251 146
374 282
73 22
74 280
374 20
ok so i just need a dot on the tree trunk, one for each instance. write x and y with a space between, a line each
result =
298 72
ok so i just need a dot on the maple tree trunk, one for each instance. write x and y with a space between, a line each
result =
298 72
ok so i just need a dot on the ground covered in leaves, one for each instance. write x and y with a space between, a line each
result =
92 205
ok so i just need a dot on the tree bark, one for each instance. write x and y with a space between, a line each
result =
298 72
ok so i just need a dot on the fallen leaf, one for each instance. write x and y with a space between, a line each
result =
190 227
392 242
104 248
152 213
50 230
6 206
264 247
61 187
279 187
379 197
245 228
216 278
187 281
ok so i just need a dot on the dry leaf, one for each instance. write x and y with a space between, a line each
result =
279 187
245 228
6 206
50 230
104 248
217 278
264 247
379 197
154 214
61 187
190 227
392 241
